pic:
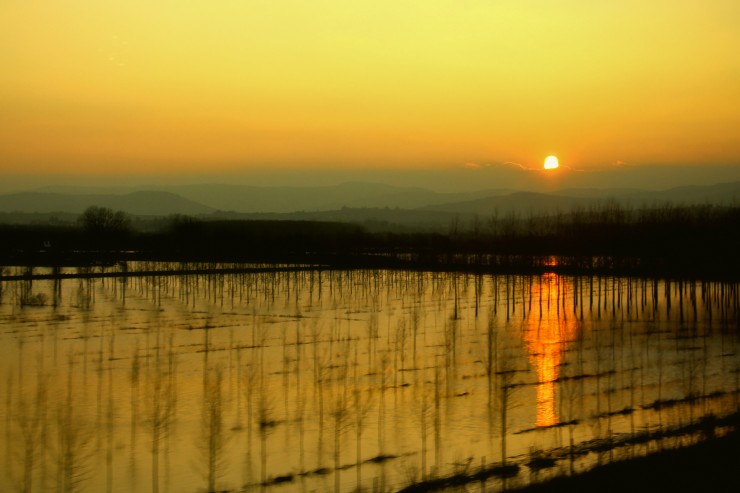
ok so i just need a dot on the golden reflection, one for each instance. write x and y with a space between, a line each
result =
546 333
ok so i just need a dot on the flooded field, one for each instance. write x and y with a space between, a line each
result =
306 380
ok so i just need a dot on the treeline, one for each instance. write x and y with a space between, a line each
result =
102 235
681 239
611 229
666 239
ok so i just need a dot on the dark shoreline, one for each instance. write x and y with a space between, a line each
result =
689 242
713 460
677 242
712 465
115 264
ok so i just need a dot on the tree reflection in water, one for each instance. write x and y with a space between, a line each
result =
347 380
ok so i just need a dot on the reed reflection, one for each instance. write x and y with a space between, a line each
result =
546 332
293 381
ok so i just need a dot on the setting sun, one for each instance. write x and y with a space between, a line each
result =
551 162
183 87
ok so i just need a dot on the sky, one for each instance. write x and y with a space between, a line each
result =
178 87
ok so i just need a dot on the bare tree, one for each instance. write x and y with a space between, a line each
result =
102 220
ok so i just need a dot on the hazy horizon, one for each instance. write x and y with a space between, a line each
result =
450 179
446 96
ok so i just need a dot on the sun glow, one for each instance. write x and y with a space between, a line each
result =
551 162
93 88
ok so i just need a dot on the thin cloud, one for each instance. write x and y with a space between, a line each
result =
519 165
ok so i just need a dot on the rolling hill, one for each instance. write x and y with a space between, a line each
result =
351 202
137 203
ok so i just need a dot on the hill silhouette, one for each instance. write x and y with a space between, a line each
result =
150 203
350 202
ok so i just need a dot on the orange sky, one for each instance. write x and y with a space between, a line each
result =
193 85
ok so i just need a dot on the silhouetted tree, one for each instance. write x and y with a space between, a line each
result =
102 220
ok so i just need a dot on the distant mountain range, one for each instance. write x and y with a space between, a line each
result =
143 203
565 200
354 201
249 199
291 199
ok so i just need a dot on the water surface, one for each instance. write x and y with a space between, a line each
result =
309 380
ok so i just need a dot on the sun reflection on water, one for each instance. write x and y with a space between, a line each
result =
305 379
546 337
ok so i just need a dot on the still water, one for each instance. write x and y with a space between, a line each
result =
308 380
